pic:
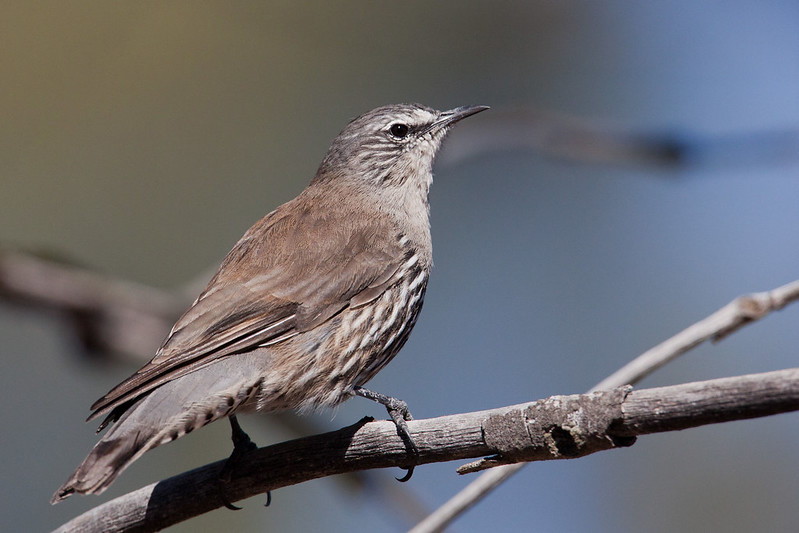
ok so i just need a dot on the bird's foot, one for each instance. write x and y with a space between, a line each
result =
399 413
242 445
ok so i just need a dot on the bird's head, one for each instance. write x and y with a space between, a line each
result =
391 146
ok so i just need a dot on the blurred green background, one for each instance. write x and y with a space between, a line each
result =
142 139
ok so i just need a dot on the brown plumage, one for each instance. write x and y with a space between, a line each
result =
310 304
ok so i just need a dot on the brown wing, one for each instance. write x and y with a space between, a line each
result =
275 283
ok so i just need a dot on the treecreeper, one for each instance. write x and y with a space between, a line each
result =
313 301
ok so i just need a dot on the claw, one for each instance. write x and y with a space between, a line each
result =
399 413
407 476
225 500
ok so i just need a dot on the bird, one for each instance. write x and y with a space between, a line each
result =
313 301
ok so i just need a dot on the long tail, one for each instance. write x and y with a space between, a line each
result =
166 414
113 454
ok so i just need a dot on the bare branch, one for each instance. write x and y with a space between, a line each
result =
741 311
725 321
560 427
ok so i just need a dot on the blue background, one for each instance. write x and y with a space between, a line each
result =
142 139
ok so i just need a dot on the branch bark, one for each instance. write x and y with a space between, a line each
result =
560 427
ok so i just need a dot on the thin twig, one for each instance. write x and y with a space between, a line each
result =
728 319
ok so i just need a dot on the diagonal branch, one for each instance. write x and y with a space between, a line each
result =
727 320
741 311
560 427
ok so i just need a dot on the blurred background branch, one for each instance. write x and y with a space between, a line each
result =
580 140
110 317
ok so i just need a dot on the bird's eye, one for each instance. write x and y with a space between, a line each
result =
399 130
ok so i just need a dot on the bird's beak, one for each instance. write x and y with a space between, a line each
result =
448 118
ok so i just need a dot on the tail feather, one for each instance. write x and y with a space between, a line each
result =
166 414
104 463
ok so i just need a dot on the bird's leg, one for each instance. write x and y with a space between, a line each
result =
241 441
399 413
242 444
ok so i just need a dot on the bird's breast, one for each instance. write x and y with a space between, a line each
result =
320 367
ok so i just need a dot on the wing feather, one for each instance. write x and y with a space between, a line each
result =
274 284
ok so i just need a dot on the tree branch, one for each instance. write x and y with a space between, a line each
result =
727 320
560 427
741 311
